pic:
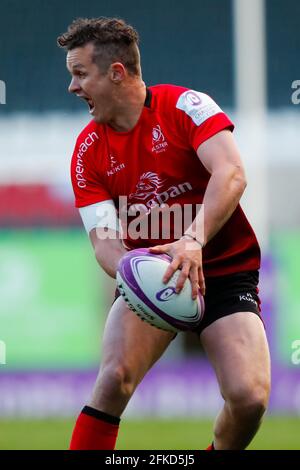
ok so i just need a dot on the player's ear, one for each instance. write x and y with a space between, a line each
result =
117 72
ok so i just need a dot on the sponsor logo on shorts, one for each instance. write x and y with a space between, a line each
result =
247 297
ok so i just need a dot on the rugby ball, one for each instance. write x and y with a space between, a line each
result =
139 280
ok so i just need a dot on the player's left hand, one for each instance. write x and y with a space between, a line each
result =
187 256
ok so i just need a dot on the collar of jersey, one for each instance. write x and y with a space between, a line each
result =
148 98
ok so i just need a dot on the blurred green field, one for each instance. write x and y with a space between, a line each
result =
276 433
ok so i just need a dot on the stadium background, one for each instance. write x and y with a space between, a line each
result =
53 298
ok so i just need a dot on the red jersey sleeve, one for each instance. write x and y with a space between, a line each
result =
200 117
87 186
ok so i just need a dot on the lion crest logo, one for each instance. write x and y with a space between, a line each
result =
148 185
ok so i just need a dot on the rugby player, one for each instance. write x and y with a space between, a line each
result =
164 145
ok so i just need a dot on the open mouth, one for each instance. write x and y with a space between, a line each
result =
91 106
90 103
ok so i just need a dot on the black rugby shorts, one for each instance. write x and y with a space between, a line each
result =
230 294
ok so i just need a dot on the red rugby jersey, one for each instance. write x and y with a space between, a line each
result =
156 164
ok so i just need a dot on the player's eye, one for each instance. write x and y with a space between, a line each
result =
80 74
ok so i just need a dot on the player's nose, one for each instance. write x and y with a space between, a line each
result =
74 86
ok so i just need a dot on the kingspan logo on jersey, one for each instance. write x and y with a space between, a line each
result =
150 184
153 215
159 143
